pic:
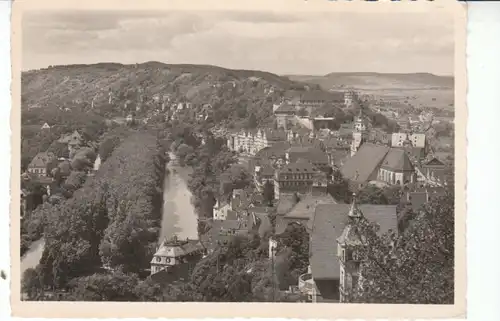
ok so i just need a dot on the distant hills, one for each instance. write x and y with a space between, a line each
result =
64 86
374 81
416 89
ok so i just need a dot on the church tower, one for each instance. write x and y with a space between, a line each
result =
347 245
359 134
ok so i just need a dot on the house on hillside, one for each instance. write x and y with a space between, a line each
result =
38 164
74 141
334 269
45 126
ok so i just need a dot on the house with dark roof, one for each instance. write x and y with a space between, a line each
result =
317 98
38 164
300 177
333 267
175 252
379 163
313 154
301 212
285 115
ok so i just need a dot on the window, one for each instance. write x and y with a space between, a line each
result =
348 255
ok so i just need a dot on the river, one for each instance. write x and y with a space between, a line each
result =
179 217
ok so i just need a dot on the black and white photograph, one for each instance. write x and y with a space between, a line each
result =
249 156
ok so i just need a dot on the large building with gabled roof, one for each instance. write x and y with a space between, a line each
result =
379 163
331 228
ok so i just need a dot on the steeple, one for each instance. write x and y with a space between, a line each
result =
354 211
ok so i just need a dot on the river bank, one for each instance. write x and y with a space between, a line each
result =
179 216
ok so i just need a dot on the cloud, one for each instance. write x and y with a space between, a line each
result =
314 43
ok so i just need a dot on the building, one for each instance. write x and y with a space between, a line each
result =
333 262
302 211
175 252
359 134
350 98
238 224
313 154
285 115
400 139
318 98
434 171
300 177
38 164
378 163
238 204
73 140
250 142
45 126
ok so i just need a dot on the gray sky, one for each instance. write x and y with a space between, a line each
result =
282 43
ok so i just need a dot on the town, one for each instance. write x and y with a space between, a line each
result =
196 183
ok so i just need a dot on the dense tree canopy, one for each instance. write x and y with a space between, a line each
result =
111 221
414 267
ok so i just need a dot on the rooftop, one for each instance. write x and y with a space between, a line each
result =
328 225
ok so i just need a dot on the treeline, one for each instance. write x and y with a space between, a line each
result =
112 222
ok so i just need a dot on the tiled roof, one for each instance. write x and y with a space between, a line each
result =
298 167
434 162
397 160
305 208
75 137
361 166
177 249
285 204
328 224
278 150
275 134
285 108
310 153
320 95
41 160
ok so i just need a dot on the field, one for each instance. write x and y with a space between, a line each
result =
400 90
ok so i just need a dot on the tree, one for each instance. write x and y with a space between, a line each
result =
252 121
415 267
294 243
108 146
117 286
80 164
268 193
31 283
59 149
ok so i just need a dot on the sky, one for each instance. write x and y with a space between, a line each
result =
308 43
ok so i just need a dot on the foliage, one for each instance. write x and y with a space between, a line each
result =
294 243
59 149
372 194
268 193
416 267
112 220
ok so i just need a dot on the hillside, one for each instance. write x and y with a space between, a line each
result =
420 89
66 86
